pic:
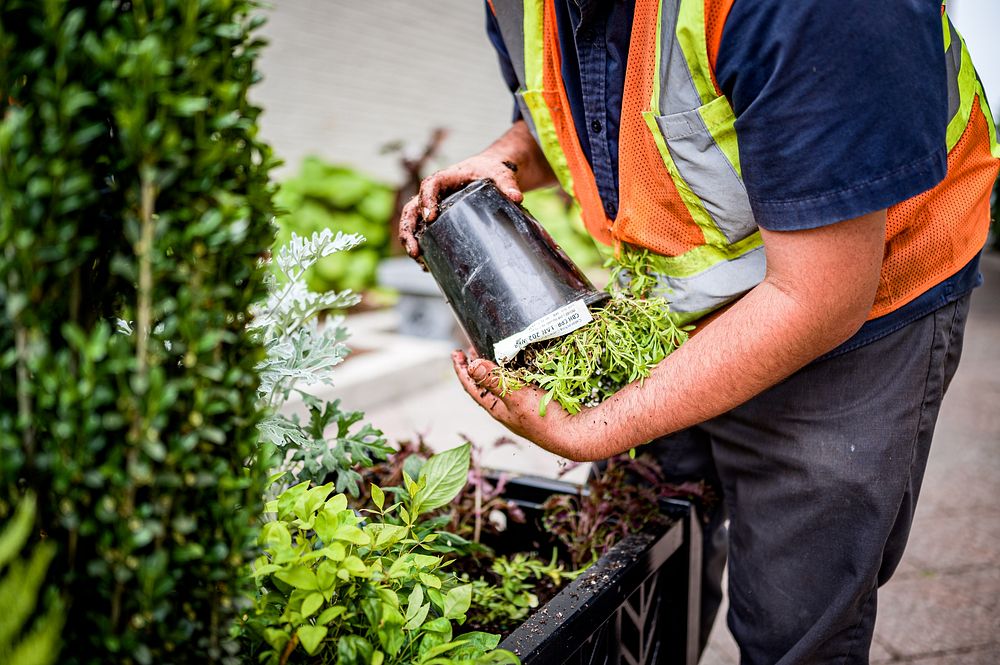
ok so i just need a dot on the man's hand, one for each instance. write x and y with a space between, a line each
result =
424 205
514 163
556 431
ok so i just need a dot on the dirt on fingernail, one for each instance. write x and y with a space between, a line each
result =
511 165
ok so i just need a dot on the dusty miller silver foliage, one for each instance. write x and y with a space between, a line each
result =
300 356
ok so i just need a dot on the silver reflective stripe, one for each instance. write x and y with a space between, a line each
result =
677 91
707 171
708 290
510 18
953 63
699 160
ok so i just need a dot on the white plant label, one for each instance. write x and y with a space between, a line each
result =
561 322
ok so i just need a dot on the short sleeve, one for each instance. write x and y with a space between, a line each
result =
841 107
503 57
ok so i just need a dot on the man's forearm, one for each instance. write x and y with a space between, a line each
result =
761 340
518 147
776 329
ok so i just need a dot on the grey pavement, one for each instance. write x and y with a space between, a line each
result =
943 605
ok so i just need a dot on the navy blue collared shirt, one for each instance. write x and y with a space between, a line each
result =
841 110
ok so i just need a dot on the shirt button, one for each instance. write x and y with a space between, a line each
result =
596 126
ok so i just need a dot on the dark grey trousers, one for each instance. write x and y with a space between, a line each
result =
820 477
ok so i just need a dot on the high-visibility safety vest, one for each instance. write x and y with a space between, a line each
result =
681 192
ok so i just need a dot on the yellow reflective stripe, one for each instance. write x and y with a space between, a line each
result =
947 32
691 200
534 100
702 257
691 36
684 318
990 124
534 14
548 138
654 102
721 124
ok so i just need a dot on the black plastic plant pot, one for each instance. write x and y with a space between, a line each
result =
505 278
639 604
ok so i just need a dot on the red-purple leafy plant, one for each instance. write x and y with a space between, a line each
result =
620 500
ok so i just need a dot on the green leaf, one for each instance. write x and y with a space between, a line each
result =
329 614
387 535
299 577
437 598
543 404
390 632
414 602
457 601
266 569
413 464
188 106
480 640
276 638
403 566
311 603
355 566
378 496
418 618
353 650
275 534
311 637
326 578
429 580
443 476
350 534
439 649
16 531
412 487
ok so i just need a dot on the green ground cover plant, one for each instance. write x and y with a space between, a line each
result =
629 335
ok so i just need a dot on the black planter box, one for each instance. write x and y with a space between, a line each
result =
639 604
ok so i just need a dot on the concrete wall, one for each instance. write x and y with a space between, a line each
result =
342 78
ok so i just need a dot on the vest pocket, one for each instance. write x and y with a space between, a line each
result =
700 149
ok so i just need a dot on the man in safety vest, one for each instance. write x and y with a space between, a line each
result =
814 179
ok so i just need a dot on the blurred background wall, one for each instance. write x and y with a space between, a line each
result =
343 78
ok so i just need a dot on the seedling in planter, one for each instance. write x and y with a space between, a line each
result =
511 591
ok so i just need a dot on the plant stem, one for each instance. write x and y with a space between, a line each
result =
289 648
